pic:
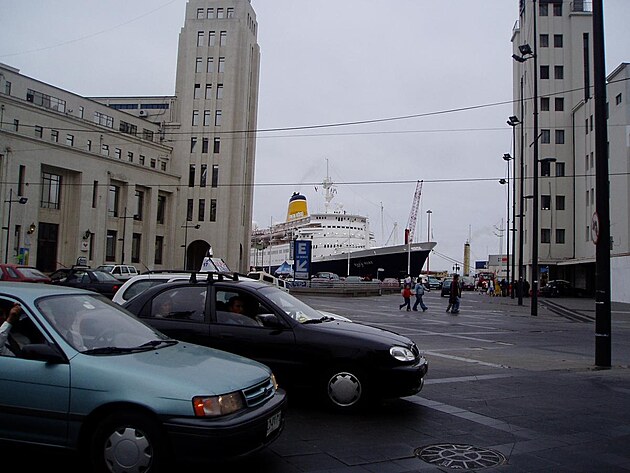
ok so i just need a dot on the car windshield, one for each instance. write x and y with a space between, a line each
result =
93 324
102 276
107 267
293 307
33 273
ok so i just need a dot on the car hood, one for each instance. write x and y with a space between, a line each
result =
359 331
180 371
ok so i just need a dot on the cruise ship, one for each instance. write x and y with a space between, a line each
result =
341 243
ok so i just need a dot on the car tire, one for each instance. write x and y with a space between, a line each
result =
130 442
344 390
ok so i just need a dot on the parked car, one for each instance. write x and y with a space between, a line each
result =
122 272
21 273
87 376
561 288
468 283
87 278
446 287
433 283
135 285
326 276
392 283
353 279
346 363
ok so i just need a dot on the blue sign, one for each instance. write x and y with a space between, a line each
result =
302 259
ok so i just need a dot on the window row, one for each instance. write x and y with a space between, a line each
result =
209 67
558 72
203 175
543 9
197 92
136 247
590 197
207 117
545 235
212 38
201 210
545 104
545 202
557 41
205 144
212 13
545 136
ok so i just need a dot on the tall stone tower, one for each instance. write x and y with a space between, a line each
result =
218 66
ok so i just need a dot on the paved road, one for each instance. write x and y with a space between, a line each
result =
504 389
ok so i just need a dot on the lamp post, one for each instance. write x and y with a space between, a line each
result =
507 182
21 200
527 53
456 268
513 121
186 227
429 212
125 217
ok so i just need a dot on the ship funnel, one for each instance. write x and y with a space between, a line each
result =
297 207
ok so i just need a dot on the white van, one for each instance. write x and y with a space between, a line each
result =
269 278
122 272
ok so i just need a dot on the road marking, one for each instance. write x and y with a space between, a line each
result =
465 360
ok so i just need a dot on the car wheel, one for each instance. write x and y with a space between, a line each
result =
128 442
344 390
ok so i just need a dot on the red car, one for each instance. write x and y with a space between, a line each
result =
20 273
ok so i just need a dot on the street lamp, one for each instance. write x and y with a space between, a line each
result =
429 212
456 268
186 227
21 200
513 121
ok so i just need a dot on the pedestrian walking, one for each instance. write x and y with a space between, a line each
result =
419 291
406 293
455 295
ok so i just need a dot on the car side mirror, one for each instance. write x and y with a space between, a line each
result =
42 352
269 320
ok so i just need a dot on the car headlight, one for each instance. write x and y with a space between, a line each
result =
214 406
402 353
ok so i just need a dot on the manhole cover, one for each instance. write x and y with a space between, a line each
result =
459 457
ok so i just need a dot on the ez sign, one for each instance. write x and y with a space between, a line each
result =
302 259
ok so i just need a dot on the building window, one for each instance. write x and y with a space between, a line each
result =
141 159
147 134
130 156
213 210
586 125
557 9
203 175
159 244
163 166
217 146
560 202
7 88
222 38
544 40
153 163
136 240
117 153
104 120
210 13
54 136
559 104
113 197
128 128
200 35
545 169
195 117
545 235
70 140
21 179
88 145
191 175
39 131
202 210
557 41
544 72
560 169
197 91
207 117
189 210
210 65
45 100
193 144
16 124
618 100
588 233
139 205
81 112
205 145
51 191
199 65
559 137
545 136
218 118
558 72
161 209
220 13
211 38
543 9
105 150
110 245
230 12
208 95
588 197
544 104
545 202
215 175
200 13
219 91
94 194
560 236
221 65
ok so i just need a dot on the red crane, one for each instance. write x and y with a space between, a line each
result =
413 215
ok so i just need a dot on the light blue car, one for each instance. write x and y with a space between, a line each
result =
79 372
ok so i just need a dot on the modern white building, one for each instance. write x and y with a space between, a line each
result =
154 181
563 48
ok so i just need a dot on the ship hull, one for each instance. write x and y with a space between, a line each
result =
389 262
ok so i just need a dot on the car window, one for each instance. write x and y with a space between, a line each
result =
236 308
23 332
293 307
11 272
180 303
103 277
137 287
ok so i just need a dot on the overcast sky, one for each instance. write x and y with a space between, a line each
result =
332 62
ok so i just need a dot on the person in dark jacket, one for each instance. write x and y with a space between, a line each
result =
455 295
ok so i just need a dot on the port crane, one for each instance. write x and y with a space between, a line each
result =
413 215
